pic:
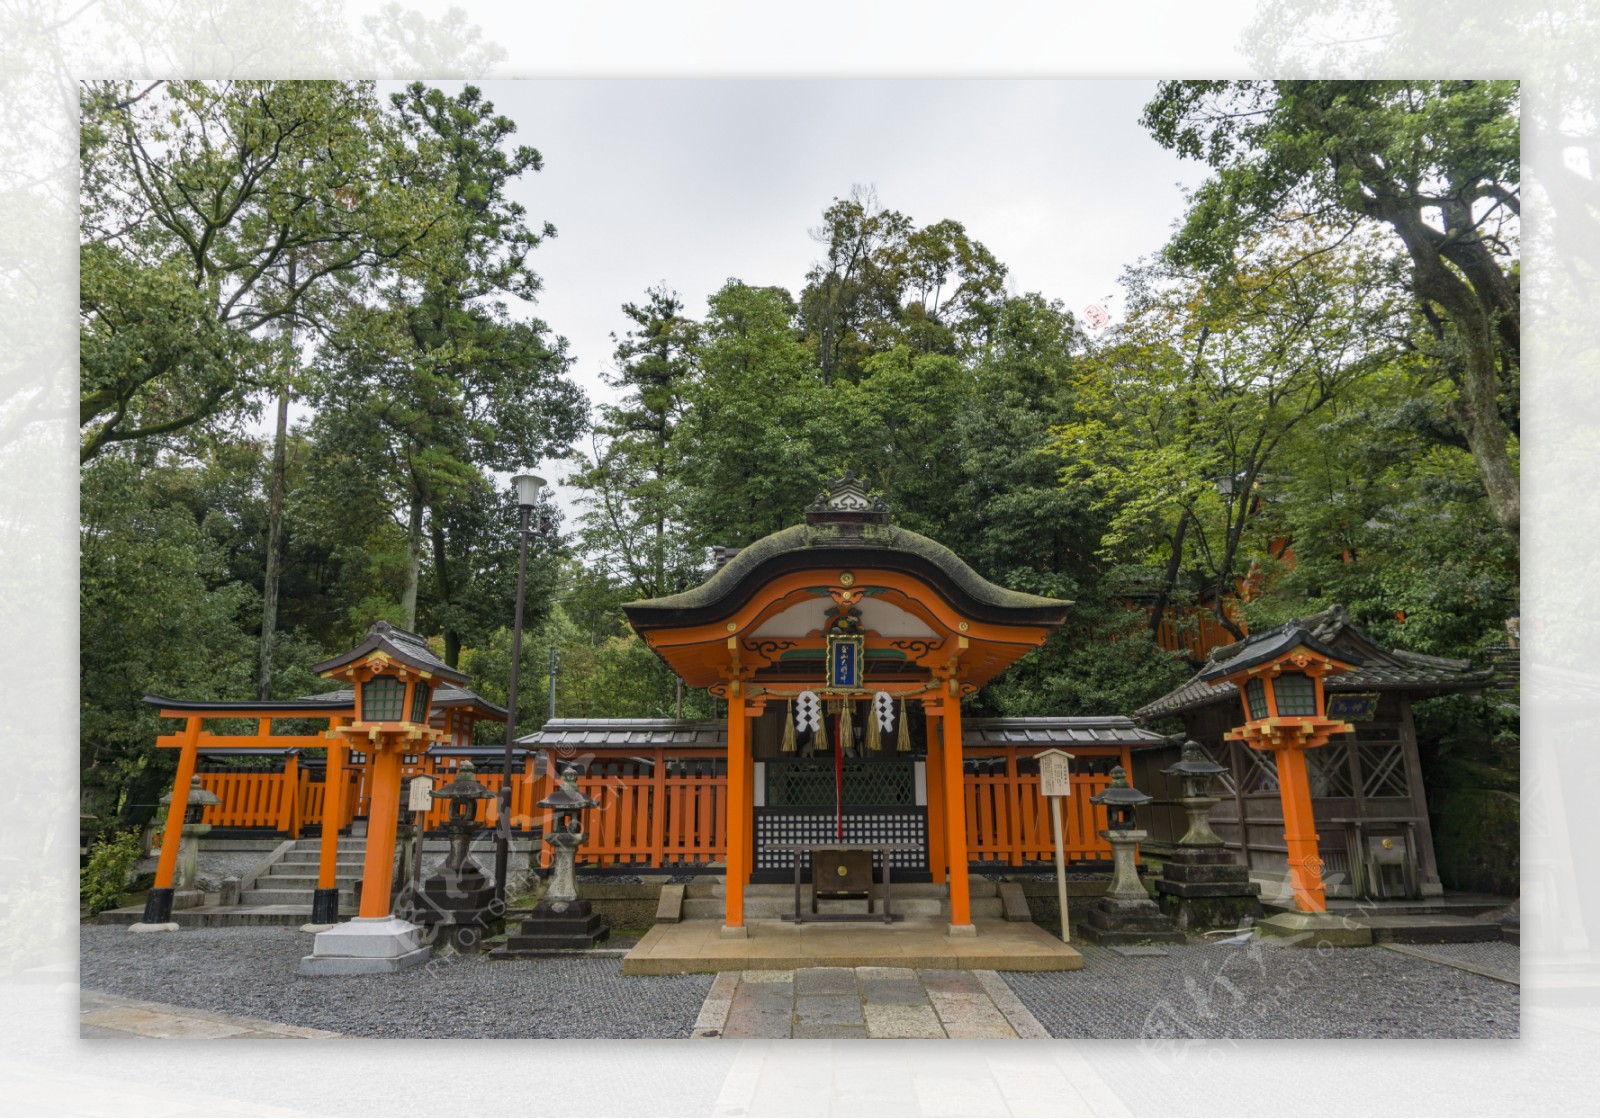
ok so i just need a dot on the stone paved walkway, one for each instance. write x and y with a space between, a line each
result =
864 1002
102 1016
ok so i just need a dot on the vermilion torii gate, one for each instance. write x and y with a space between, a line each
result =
931 630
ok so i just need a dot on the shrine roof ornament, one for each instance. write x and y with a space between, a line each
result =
399 645
846 500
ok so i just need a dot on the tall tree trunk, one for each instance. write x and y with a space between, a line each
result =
443 588
270 577
269 584
1174 566
408 597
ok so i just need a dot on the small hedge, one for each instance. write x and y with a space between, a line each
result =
104 878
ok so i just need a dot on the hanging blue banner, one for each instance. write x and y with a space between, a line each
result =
845 651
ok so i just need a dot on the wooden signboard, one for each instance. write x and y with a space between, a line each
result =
420 797
1355 707
1055 773
1055 782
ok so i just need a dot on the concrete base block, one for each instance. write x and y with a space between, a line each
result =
1312 930
961 930
366 946
361 965
164 926
735 932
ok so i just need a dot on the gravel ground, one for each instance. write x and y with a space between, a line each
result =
1260 991
250 971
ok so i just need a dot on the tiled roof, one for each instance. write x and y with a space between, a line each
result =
402 645
603 734
445 695
1380 669
1259 648
1107 730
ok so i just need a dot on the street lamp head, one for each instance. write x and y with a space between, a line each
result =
528 487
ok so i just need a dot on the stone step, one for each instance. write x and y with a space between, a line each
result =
1428 928
773 908
309 866
304 882
347 898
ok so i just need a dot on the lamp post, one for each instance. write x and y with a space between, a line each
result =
528 487
1279 675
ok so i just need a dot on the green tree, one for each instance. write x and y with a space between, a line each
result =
197 199
634 524
882 283
1181 418
759 413
1436 164
440 383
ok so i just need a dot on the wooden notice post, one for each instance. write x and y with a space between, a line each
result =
1055 782
419 801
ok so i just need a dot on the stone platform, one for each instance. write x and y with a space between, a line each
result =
217 916
916 942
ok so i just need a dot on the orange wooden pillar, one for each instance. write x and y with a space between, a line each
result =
383 816
158 902
938 856
325 901
737 807
1300 831
955 816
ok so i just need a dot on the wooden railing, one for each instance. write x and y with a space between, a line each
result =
666 807
656 814
1009 822
661 808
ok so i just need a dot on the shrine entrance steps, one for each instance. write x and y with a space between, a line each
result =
770 901
292 880
699 945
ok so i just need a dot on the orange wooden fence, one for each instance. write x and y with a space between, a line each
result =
663 808
1009 822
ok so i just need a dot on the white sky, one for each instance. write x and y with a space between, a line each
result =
692 182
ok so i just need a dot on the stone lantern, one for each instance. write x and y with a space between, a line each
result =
1125 914
184 894
561 920
459 898
1196 770
1201 886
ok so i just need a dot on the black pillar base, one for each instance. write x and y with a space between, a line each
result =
325 906
158 906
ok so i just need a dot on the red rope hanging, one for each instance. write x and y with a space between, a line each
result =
838 782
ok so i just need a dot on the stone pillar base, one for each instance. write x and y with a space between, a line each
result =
1313 930
961 930
365 946
149 927
735 932
1112 921
1203 888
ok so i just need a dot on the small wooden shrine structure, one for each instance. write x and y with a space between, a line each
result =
823 639
402 702
1366 791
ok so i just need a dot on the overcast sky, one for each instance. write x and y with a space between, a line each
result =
693 182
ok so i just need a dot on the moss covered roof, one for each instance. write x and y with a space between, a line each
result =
845 543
